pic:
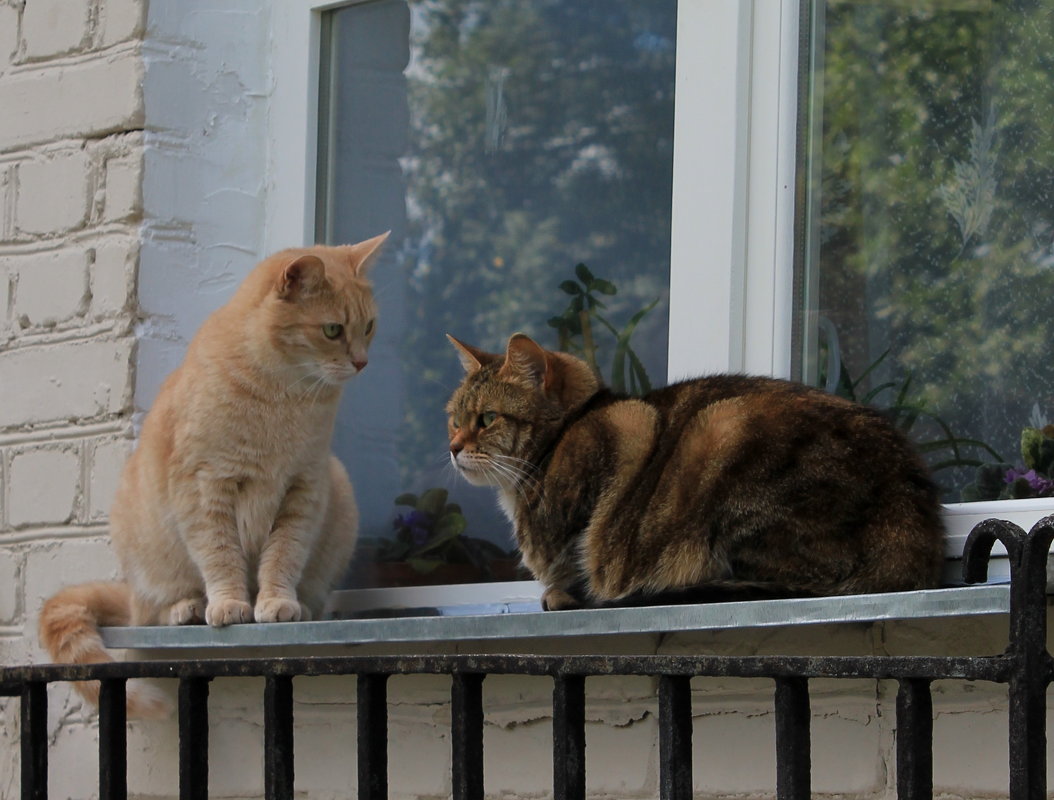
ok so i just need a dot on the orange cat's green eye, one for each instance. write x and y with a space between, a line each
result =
369 327
332 330
487 419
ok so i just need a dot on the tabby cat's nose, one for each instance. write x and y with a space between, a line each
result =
456 447
360 365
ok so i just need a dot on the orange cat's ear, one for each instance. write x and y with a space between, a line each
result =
301 276
525 358
472 358
362 255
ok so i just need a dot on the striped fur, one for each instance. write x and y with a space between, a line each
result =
724 483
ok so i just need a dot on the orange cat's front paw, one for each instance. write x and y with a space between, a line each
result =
277 609
220 613
187 612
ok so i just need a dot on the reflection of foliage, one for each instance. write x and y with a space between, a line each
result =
905 410
1001 481
955 281
431 533
539 131
576 332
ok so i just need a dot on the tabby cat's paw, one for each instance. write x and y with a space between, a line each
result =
277 609
558 600
221 613
187 612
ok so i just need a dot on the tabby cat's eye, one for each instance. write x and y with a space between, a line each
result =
487 418
369 327
332 330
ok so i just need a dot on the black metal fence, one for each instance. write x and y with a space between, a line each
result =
1026 667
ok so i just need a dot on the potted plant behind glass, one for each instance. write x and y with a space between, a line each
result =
430 548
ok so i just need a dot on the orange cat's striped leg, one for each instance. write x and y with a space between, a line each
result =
212 539
287 549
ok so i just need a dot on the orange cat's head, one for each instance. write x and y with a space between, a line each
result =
310 312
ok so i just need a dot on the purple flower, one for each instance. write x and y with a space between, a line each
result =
418 523
1040 485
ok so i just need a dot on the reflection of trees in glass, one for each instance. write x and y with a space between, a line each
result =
937 221
542 136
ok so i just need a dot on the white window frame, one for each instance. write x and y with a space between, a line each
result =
735 151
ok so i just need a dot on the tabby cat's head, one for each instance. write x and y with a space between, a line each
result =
317 315
510 407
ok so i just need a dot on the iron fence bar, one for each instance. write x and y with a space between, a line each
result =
1029 676
466 736
675 737
980 668
34 744
113 740
793 746
278 737
193 713
914 740
372 713
569 737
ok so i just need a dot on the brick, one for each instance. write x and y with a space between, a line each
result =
51 287
7 202
53 193
49 566
123 181
10 588
8 35
74 380
104 472
54 27
121 20
113 275
96 97
44 485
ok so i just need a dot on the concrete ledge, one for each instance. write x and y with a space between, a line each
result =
524 620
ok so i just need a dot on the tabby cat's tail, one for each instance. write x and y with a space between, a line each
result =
69 630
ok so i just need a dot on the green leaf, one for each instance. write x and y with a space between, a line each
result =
424 565
407 499
583 274
432 501
603 286
1031 443
571 287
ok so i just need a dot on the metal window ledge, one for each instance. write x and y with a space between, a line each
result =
525 621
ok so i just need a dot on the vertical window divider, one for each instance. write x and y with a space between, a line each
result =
793 746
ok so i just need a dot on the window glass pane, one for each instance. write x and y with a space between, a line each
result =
928 265
504 143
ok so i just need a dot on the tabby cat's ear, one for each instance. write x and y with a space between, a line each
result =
302 276
362 255
526 359
472 358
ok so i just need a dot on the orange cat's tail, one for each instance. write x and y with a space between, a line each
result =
69 630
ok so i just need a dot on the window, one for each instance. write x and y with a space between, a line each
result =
747 281
927 260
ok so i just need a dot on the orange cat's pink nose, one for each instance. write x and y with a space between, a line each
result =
360 365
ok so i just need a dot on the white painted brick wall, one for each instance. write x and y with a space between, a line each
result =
44 483
54 27
52 193
50 286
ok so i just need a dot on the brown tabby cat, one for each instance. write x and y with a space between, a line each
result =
232 508
722 483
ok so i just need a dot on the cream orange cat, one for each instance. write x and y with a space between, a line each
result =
232 509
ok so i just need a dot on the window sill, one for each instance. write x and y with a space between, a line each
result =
515 623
